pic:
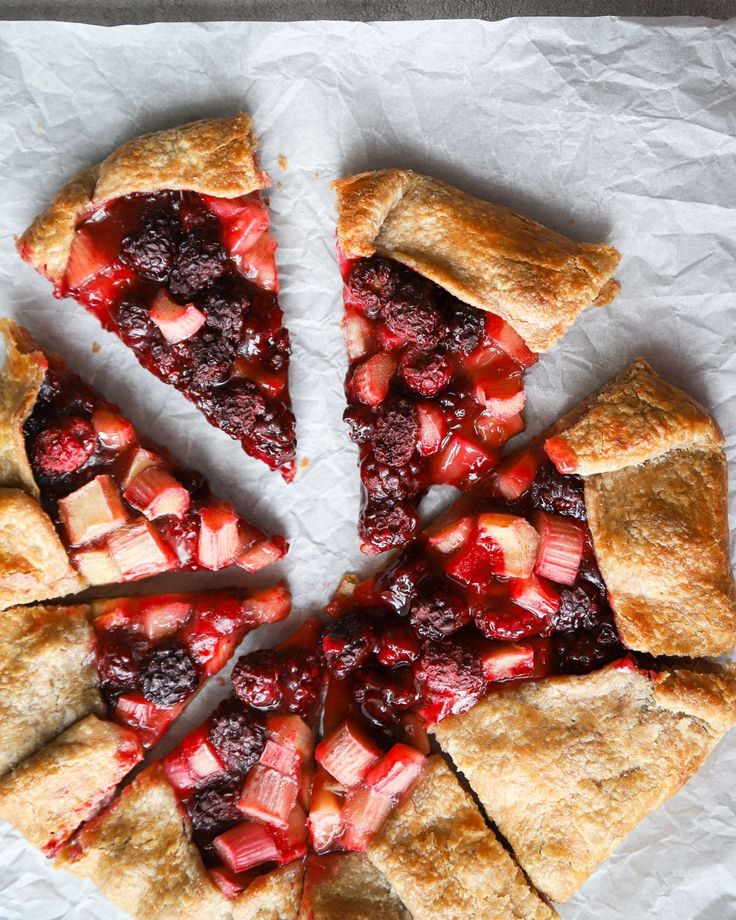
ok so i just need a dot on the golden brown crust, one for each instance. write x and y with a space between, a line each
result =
656 496
48 678
567 767
347 885
272 896
443 862
537 280
139 852
215 156
48 796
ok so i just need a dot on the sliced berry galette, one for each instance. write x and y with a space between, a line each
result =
137 661
448 300
84 500
166 242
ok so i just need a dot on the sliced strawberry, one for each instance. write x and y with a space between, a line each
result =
535 594
561 454
293 732
156 493
269 605
451 536
139 550
163 615
506 338
560 548
193 762
516 475
462 462
507 661
325 819
371 379
113 431
258 263
358 334
245 846
141 460
432 428
96 565
220 542
503 397
176 323
95 509
262 554
277 756
513 543
348 753
396 771
149 720
363 814
269 796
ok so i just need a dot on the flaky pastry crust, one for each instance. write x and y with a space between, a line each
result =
443 862
656 496
347 885
275 895
48 678
537 280
140 853
567 767
49 795
34 564
215 156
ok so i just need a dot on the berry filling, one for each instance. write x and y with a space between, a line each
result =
434 390
121 508
189 283
154 653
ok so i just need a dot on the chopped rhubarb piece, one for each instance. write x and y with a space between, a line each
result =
337 702
516 475
141 460
262 554
358 334
156 493
220 541
372 379
149 720
506 661
396 771
279 757
503 397
561 454
560 548
325 819
494 431
231 884
193 762
175 322
462 461
86 261
348 753
269 605
293 732
507 339
245 846
268 796
535 594
364 812
513 542
292 844
244 219
113 431
163 615
258 263
452 536
432 428
92 511
139 550
96 565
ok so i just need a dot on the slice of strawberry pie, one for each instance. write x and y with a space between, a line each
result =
167 243
142 660
448 300
84 500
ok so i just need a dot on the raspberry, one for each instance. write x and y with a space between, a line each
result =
372 282
466 328
425 374
214 810
168 674
558 494
63 447
238 738
348 643
411 314
224 306
150 251
212 359
255 679
198 264
386 523
384 694
395 436
450 677
439 610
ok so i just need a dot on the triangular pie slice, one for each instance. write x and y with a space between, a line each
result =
448 299
567 767
344 885
139 660
85 500
166 242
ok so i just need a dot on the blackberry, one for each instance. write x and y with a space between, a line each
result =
301 683
384 695
581 652
224 307
150 251
438 611
385 523
348 643
411 314
398 584
450 677
395 436
256 679
466 328
273 433
197 265
63 447
168 674
237 736
580 608
236 406
214 809
558 494
425 374
361 422
212 359
134 322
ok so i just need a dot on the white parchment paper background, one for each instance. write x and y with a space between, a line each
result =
604 129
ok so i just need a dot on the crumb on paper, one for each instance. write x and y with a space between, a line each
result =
283 162
279 186
96 348
571 222
304 462
317 174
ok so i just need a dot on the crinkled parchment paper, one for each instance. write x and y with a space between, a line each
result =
604 129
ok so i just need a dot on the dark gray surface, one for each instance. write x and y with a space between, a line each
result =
115 12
